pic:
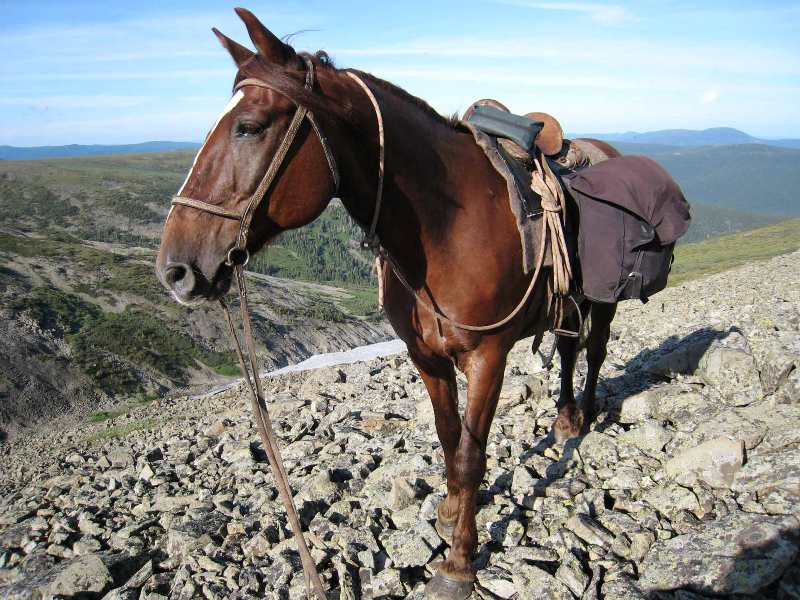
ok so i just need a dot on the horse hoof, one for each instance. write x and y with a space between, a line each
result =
445 588
565 429
563 434
445 530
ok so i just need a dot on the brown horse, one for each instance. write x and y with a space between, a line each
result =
445 221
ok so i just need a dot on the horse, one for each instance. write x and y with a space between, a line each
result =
444 220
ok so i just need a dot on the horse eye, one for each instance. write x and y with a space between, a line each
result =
249 129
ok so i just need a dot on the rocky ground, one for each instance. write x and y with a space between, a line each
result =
688 486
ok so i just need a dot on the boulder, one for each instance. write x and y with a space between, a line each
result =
716 462
774 479
649 437
730 368
533 583
638 407
739 554
670 498
412 548
598 448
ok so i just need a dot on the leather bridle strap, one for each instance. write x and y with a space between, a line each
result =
245 217
267 433
549 226
371 240
250 372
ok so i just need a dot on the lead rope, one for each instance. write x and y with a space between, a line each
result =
252 378
264 425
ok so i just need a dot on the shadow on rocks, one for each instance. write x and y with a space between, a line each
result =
766 566
650 367
672 357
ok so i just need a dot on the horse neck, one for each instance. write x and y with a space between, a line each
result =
429 165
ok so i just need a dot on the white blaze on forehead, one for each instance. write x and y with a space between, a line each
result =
230 106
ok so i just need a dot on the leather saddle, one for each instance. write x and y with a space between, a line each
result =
568 155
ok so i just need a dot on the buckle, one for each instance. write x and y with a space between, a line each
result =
237 257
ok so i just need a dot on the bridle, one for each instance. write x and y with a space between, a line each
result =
238 253
236 258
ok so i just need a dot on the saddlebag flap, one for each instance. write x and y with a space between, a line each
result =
520 130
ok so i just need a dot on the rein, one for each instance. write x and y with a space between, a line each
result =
237 258
553 203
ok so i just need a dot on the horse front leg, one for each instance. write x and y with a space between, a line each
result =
439 378
455 577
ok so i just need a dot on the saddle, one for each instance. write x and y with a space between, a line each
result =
568 155
631 210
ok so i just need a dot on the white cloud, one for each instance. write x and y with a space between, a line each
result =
94 101
606 14
169 75
614 56
709 97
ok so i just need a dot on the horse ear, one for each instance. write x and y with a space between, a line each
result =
268 46
239 53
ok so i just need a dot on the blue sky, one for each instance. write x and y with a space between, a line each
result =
124 71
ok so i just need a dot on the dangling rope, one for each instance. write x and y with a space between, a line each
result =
267 434
546 185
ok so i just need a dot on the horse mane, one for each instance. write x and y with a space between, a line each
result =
289 82
396 90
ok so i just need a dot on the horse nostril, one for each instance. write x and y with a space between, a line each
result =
179 277
174 273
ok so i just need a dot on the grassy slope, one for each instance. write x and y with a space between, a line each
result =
729 251
124 199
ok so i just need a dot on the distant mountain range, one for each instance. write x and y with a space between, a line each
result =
715 136
34 152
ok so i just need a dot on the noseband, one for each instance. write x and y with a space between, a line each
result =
238 253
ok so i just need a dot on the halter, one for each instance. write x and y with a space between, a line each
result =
238 254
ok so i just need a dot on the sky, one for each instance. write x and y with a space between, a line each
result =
131 71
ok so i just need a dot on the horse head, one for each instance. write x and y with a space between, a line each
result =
203 233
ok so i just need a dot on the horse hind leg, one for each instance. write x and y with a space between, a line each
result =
570 421
601 316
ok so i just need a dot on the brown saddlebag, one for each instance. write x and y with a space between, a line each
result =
631 214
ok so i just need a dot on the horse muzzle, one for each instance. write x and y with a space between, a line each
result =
189 286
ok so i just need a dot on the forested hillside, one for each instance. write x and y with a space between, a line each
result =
124 199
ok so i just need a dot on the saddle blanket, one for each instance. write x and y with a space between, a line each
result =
525 204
